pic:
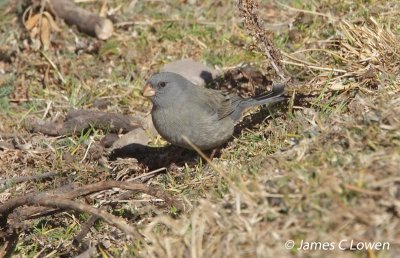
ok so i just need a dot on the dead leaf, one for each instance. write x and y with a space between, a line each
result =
40 27
104 9
34 32
53 24
338 85
32 21
45 32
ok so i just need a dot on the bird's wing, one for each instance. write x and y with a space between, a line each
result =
220 103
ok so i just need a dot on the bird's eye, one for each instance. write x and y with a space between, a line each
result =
162 84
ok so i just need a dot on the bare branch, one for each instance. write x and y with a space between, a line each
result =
254 26
62 203
62 200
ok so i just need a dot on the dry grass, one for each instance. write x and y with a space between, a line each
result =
337 180
323 167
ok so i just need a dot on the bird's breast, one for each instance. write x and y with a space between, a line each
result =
204 131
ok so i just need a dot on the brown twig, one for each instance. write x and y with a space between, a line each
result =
87 22
9 244
17 180
85 229
363 191
31 212
144 177
254 26
62 203
50 196
148 175
77 121
88 253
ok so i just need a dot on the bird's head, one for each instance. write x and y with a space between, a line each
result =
164 87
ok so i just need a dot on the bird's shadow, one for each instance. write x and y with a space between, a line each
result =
155 157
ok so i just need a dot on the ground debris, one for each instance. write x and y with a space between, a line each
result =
80 120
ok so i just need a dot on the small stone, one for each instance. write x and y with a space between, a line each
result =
137 135
195 72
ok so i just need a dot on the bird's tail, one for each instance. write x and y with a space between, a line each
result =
268 98
271 97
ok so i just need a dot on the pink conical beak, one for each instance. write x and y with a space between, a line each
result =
148 90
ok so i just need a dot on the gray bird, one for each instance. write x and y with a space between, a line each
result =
205 117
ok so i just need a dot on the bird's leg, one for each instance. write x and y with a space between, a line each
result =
213 152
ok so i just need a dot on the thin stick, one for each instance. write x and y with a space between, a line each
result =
315 67
87 149
305 11
308 64
48 106
151 173
85 229
54 67
58 202
216 168
254 26
363 191
17 180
